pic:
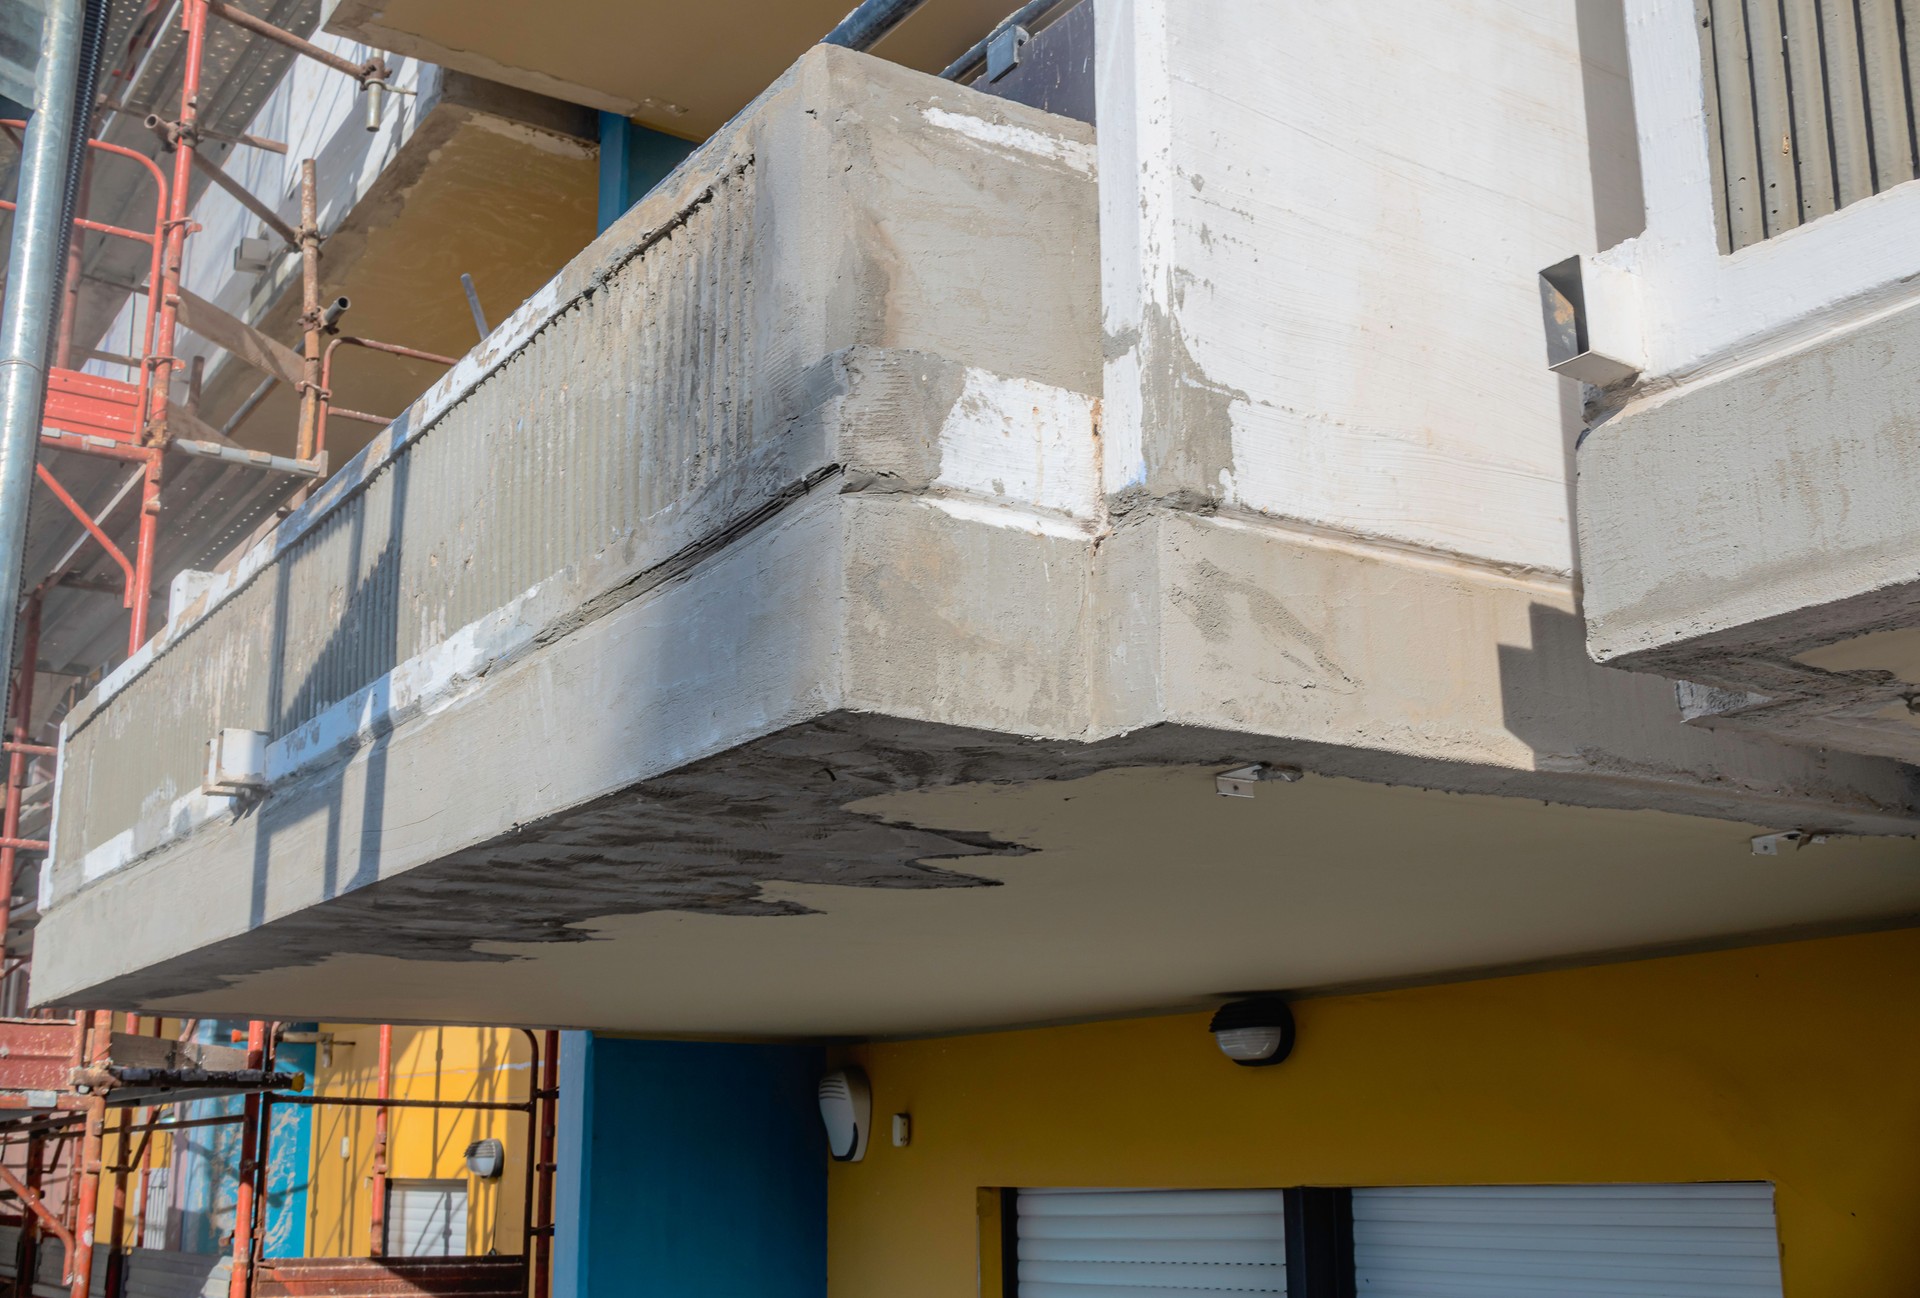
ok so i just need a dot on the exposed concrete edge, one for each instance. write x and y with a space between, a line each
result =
853 385
237 894
552 610
665 209
1884 593
565 121
982 757
1888 607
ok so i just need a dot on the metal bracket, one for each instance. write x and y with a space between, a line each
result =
1239 782
1003 50
1770 844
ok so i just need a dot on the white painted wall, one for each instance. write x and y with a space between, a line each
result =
1703 312
1342 208
317 113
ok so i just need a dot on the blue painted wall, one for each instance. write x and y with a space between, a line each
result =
291 1164
690 1170
633 159
206 1161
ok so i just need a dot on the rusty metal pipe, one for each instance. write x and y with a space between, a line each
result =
377 1210
372 70
117 1219
31 1198
181 139
143 555
93 529
80 1256
240 1281
312 384
326 380
383 1102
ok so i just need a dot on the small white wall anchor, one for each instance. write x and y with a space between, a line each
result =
1770 844
1239 782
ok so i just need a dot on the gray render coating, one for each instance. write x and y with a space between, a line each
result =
1734 524
791 609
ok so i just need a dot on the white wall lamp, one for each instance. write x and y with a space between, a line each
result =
846 1107
487 1158
1254 1033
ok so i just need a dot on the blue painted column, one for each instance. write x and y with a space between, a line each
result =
690 1170
573 1153
633 159
290 1165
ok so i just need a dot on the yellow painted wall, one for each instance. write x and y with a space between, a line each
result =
443 1063
1797 1064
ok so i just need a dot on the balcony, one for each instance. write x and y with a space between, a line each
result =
1746 490
756 635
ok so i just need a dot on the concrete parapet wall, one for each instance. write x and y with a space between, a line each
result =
657 394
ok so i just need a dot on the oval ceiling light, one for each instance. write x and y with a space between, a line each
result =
1254 1033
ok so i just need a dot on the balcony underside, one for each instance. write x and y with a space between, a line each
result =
846 857
743 896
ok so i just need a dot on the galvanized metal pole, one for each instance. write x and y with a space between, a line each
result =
869 23
33 269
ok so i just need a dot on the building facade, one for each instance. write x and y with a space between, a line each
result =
958 582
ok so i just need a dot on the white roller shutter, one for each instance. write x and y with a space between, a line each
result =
1150 1243
156 1210
1567 1241
427 1218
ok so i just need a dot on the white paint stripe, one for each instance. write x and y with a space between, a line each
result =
971 509
1076 154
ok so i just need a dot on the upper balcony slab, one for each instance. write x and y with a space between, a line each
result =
744 640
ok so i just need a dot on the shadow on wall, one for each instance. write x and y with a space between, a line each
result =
1613 140
1613 169
362 645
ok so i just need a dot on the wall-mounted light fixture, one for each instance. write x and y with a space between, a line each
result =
846 1106
486 1159
1254 1033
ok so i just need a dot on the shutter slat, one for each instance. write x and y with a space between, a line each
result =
1620 1241
1151 1243
1167 1227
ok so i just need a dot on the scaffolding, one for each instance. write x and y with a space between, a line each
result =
67 1084
61 1079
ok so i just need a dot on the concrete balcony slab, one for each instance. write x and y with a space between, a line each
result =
742 642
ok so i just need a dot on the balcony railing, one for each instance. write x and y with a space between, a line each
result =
1809 107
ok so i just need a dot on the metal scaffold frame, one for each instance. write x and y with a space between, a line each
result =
60 1077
